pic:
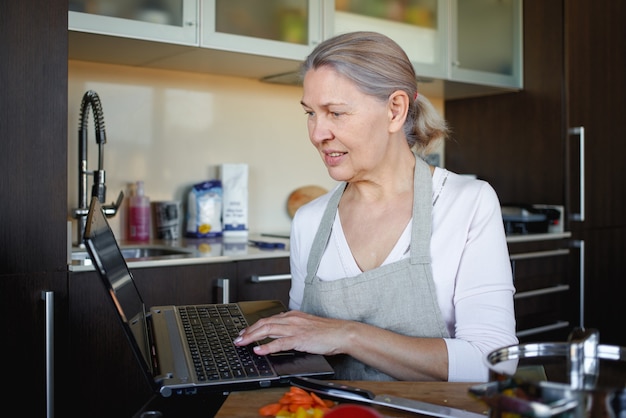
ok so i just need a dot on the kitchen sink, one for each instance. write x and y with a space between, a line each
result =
137 252
152 252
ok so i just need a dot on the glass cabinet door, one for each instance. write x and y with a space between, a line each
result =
277 28
418 26
173 21
487 42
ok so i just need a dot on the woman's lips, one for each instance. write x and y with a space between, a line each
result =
333 158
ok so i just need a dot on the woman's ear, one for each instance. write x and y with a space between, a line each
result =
398 110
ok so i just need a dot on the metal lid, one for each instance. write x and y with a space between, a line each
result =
580 363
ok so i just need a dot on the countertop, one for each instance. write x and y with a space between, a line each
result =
198 251
224 249
537 237
455 395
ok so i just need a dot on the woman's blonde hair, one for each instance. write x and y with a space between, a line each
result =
378 66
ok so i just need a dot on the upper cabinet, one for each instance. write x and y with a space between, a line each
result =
486 42
279 28
244 38
172 21
420 27
460 48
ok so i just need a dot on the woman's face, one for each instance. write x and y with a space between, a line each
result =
349 128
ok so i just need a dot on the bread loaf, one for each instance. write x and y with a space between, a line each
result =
301 196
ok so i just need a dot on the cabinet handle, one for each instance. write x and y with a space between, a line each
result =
539 254
224 284
543 291
48 297
580 131
270 278
581 245
537 330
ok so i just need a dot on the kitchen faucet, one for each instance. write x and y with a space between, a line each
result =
91 101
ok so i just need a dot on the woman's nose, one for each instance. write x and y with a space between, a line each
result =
319 132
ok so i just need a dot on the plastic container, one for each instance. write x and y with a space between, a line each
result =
139 214
204 210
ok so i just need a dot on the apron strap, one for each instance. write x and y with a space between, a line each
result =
323 233
422 213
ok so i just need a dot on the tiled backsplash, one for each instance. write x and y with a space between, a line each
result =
173 129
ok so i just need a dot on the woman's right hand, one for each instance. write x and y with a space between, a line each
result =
296 330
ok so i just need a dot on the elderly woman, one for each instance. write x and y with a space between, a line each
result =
401 272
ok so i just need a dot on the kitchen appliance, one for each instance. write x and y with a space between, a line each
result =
578 378
532 219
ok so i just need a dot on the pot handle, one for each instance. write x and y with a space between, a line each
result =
584 366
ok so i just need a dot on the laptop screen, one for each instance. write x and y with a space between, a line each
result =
108 259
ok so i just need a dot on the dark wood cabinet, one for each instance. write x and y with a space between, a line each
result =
34 336
33 193
108 381
604 250
515 140
99 355
111 382
546 299
595 99
520 142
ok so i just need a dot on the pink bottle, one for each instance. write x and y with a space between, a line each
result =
139 215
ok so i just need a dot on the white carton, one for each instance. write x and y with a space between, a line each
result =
235 201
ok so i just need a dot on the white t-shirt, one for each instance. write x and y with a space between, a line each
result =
470 264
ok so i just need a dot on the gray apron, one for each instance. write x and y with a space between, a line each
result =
399 296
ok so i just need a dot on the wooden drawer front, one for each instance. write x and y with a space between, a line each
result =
539 270
264 279
180 285
543 290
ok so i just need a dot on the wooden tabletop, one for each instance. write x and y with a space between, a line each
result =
246 404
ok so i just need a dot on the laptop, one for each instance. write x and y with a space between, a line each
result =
164 338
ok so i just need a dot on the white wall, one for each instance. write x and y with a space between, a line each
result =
173 129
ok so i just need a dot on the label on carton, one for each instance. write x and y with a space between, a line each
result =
235 204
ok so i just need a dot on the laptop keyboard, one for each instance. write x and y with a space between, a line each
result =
210 331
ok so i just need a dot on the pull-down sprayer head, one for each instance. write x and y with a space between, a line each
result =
91 101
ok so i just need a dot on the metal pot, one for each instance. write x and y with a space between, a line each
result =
574 379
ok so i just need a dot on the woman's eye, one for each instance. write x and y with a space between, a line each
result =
309 113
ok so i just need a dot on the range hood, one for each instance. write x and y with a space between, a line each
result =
427 86
293 78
